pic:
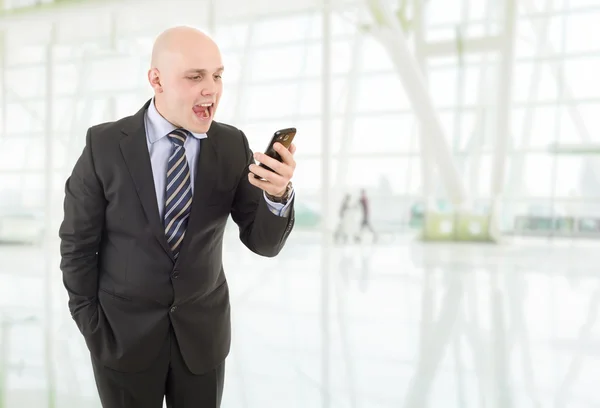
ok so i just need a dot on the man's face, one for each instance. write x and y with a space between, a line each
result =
188 86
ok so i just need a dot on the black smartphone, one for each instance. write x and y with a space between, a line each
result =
283 136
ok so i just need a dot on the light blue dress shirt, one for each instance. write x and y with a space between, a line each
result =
159 146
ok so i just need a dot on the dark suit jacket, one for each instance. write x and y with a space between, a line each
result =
124 287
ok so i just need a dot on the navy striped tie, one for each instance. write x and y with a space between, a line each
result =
178 197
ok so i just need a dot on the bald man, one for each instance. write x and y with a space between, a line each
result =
145 210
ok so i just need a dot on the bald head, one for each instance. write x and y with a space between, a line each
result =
176 41
185 74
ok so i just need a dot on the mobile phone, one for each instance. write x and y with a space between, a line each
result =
283 136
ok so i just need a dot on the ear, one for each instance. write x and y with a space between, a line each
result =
154 79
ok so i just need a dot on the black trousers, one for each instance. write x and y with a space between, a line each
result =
168 377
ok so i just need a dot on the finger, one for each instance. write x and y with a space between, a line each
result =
274 164
265 185
292 149
285 154
267 174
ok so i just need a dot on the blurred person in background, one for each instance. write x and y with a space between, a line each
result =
341 232
365 222
145 210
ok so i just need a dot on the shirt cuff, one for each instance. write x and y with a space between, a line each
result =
280 209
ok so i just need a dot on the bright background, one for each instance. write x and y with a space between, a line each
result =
515 88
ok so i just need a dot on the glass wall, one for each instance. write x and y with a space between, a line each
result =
51 94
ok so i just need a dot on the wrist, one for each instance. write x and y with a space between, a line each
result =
282 197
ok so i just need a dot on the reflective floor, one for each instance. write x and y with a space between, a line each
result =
397 324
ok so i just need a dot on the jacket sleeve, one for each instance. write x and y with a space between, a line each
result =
80 236
261 231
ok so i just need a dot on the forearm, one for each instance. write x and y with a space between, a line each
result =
80 234
262 231
79 265
267 233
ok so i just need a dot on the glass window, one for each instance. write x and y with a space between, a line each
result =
541 130
374 56
233 35
569 177
545 86
370 171
582 76
296 27
277 63
67 78
582 31
310 97
25 117
24 54
381 93
27 82
442 86
591 118
390 133
443 11
271 100
537 178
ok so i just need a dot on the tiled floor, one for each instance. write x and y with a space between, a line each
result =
398 324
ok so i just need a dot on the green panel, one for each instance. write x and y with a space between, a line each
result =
456 227
473 228
438 227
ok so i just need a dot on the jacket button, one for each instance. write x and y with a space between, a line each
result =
173 309
175 274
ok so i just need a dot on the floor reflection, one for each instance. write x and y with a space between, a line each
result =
397 324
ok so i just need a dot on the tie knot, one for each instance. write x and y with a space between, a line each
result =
178 136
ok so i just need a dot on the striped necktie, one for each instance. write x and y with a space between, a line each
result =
178 197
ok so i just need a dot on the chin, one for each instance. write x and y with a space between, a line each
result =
200 127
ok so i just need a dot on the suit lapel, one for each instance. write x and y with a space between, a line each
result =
137 158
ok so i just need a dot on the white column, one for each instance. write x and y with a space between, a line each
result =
326 212
212 17
48 244
347 125
4 363
427 162
3 66
504 100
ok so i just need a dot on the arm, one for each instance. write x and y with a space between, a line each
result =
283 210
80 234
262 231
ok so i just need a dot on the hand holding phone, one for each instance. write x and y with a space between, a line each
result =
283 136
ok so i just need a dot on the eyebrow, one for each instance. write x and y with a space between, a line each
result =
203 71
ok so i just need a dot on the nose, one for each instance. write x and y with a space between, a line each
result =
210 87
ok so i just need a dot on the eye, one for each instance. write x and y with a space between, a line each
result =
196 77
218 76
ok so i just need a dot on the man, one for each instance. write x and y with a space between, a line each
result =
141 241
365 223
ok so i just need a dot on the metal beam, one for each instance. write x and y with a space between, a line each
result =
392 37
470 46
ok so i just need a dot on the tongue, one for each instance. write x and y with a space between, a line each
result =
201 111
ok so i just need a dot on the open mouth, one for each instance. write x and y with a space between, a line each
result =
203 111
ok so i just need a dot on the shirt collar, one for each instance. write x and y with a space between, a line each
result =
160 127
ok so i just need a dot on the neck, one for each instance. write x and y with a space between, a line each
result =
161 111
